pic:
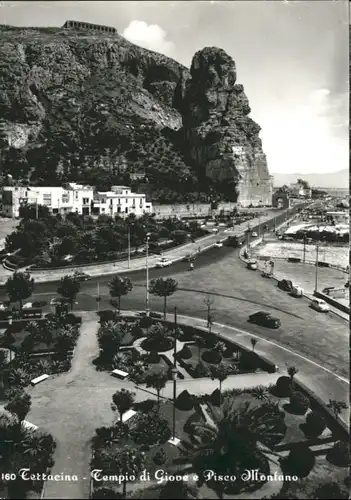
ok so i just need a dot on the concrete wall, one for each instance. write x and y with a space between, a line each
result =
189 210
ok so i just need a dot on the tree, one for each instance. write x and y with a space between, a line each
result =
234 439
69 288
337 407
126 461
157 380
122 401
119 287
220 372
109 338
19 287
292 371
200 344
150 429
163 287
253 343
19 405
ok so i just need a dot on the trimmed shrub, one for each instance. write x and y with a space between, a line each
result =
228 353
160 457
39 303
299 462
137 332
215 397
106 315
185 401
212 356
210 341
150 429
283 386
145 322
340 454
249 361
200 371
299 403
150 357
315 424
185 353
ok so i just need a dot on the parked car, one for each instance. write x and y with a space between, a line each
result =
347 284
2 307
320 305
218 244
286 285
254 234
265 274
215 230
297 291
164 263
27 305
188 258
252 265
265 319
82 276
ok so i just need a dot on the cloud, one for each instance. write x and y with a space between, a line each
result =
149 36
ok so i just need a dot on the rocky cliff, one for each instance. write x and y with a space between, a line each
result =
92 107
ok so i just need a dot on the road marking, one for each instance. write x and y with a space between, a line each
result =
244 332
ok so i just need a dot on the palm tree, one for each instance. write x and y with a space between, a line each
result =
253 343
292 371
122 401
118 287
157 380
163 287
337 407
18 377
260 392
38 444
235 438
200 344
220 372
19 405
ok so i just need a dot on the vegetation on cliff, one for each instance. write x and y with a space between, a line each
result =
94 108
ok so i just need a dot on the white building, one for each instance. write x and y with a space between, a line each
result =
120 200
73 197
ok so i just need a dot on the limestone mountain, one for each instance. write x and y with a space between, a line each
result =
92 107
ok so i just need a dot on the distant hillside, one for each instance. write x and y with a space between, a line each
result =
338 179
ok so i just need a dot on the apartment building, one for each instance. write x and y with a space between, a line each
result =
73 197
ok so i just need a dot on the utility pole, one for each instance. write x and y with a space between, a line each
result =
98 296
316 275
304 247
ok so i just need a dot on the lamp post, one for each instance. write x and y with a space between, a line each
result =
316 275
147 305
304 247
128 246
174 440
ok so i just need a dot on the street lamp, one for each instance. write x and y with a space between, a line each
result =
174 440
316 275
128 246
147 305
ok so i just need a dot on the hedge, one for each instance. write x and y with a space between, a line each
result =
299 403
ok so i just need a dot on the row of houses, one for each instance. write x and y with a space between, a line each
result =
73 197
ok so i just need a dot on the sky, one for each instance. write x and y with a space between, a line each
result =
292 58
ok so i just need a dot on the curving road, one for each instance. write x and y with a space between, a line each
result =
237 293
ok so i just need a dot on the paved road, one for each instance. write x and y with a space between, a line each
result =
237 293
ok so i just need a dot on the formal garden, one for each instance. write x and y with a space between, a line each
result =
298 450
57 241
147 346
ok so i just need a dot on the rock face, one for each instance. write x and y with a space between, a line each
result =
92 107
219 135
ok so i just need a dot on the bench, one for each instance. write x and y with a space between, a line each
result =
119 374
128 415
37 380
29 426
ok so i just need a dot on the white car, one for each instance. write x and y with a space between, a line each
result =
2 307
320 305
218 244
27 305
164 262
254 234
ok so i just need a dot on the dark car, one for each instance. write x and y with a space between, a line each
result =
82 276
286 285
265 319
